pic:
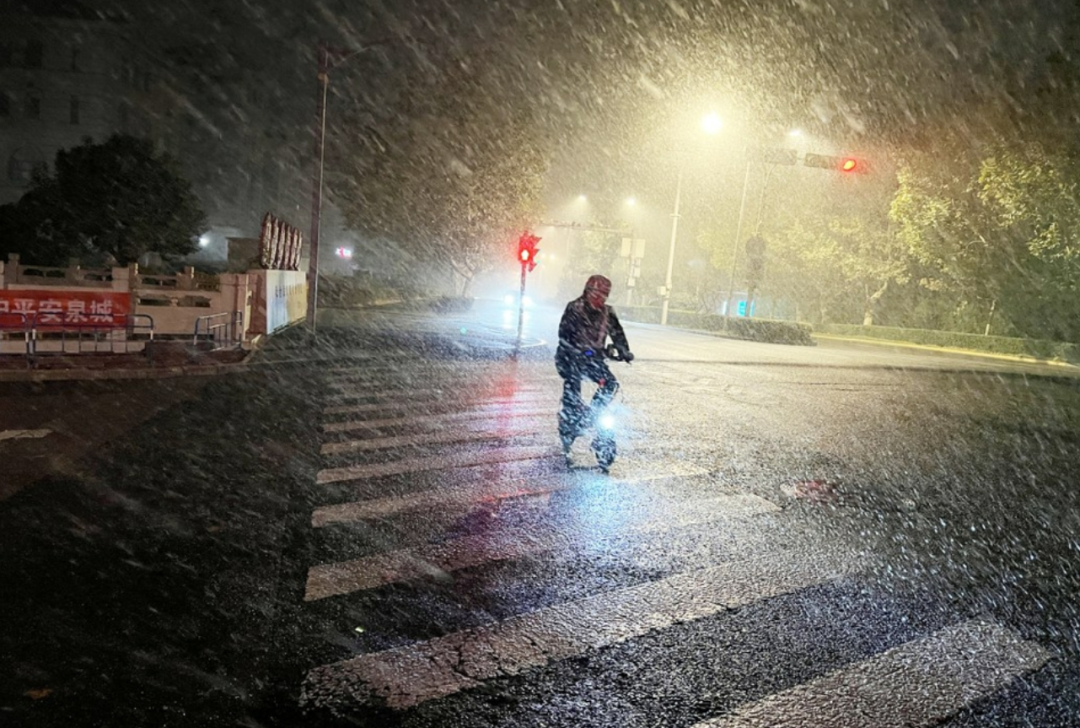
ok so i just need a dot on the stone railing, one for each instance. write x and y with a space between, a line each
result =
14 273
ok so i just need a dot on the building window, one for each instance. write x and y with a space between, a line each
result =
35 52
33 105
74 109
22 163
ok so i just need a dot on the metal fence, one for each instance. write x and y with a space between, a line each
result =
76 337
221 330
18 325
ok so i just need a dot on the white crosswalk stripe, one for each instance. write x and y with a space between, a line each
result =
465 459
462 497
431 421
417 673
440 437
396 405
459 394
916 684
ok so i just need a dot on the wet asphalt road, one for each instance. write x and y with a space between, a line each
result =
378 530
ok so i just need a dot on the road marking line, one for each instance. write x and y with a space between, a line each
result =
24 434
464 497
490 413
435 462
345 577
920 683
551 399
438 437
410 675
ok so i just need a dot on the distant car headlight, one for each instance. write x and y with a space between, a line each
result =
528 302
508 300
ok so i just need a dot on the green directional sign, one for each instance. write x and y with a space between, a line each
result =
787 157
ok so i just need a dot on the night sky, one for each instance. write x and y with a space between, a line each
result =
606 82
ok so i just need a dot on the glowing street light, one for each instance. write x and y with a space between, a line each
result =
712 124
631 201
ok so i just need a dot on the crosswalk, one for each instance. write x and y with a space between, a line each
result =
422 450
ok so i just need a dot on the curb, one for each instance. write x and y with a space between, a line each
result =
950 350
89 375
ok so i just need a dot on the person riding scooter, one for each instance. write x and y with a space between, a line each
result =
586 325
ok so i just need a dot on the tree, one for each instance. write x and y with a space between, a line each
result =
119 198
1031 206
997 236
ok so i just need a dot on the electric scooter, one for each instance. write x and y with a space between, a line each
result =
602 422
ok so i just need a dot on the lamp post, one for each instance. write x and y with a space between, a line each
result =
317 184
735 247
328 60
711 124
671 248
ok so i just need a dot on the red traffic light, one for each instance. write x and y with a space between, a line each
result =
527 250
848 165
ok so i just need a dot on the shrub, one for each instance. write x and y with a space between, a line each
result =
451 304
750 329
1046 350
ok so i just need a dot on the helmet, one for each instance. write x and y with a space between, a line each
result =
598 283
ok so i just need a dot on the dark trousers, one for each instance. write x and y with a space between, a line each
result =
575 415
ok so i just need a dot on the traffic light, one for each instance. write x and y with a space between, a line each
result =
848 165
527 251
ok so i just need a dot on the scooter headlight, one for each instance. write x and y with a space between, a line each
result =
607 422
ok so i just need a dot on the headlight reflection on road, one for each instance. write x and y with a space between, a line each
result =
510 319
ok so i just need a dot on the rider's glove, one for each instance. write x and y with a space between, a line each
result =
628 357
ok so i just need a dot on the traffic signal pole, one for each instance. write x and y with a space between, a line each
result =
527 252
521 309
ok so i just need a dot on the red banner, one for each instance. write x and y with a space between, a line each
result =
59 309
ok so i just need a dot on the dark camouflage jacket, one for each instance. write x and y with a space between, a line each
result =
584 328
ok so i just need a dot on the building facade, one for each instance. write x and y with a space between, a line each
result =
69 73
66 74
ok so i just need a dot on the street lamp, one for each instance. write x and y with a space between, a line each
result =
710 124
329 59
